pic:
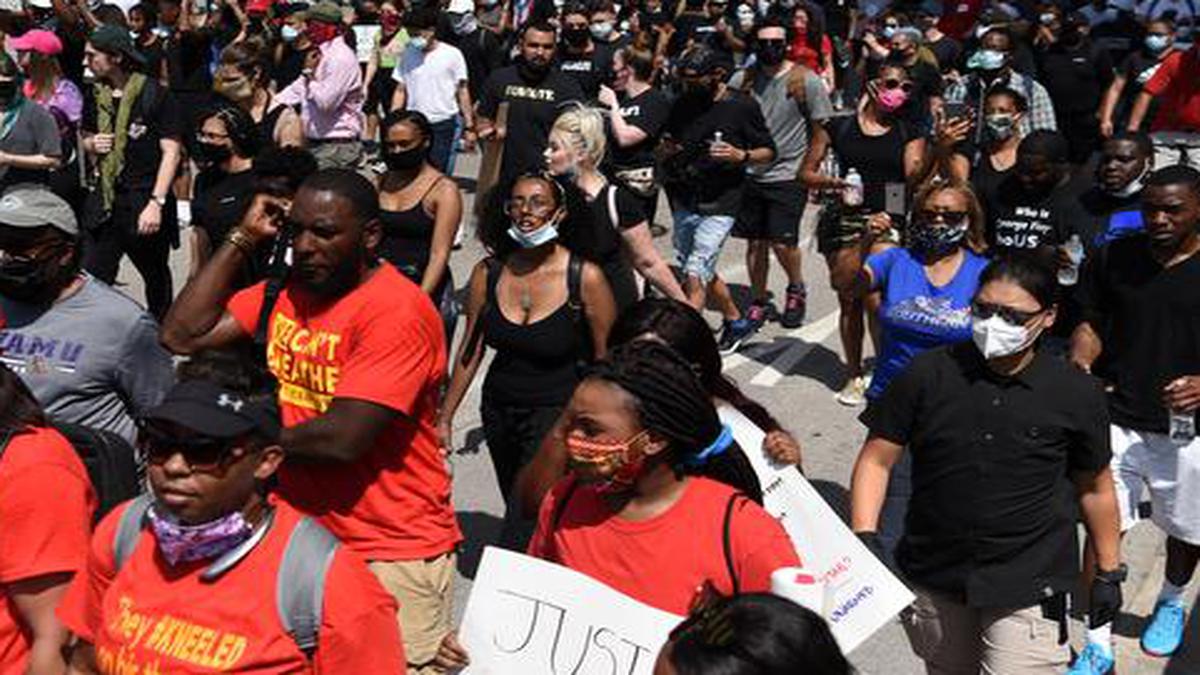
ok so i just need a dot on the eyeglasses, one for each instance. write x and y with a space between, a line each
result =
1017 317
932 216
201 453
208 135
892 83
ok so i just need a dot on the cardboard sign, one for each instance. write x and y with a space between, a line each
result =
859 594
526 615
364 41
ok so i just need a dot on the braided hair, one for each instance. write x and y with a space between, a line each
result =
671 402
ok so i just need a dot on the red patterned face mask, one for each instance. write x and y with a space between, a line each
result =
611 466
320 33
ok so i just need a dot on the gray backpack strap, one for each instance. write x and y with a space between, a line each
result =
129 529
300 584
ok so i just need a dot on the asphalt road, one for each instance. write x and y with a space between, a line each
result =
795 375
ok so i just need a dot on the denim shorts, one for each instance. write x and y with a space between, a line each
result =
698 240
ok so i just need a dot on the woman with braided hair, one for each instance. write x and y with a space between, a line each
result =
660 500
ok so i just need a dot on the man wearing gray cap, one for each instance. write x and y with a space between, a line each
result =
89 354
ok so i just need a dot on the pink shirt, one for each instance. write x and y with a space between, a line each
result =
331 100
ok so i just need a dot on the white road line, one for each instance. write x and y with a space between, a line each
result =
809 336
751 352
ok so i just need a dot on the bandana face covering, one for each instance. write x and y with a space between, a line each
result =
611 467
181 543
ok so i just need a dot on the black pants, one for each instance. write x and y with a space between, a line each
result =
513 435
104 247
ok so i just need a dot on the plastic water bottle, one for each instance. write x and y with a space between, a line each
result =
1069 276
1182 429
852 194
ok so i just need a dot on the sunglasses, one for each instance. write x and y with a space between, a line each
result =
201 453
931 216
892 83
1017 317
772 43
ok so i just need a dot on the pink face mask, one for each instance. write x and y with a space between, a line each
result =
890 100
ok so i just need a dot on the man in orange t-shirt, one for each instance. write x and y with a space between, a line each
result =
359 354
46 504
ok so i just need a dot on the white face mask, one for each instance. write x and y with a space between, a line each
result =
534 239
1135 186
996 338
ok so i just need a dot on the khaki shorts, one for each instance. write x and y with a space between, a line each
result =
423 589
954 639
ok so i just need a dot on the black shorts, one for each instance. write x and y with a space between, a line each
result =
771 212
379 92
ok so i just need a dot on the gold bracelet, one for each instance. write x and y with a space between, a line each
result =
241 241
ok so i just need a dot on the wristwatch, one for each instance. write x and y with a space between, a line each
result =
161 201
1116 576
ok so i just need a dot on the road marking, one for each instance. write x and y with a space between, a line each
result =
751 352
808 337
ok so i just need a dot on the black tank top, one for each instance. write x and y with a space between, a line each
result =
408 237
878 159
536 364
266 126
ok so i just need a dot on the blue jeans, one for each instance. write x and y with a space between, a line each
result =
698 240
442 146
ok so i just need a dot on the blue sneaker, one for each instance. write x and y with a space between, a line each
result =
1092 661
1164 634
734 333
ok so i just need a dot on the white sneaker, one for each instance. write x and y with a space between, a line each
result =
854 393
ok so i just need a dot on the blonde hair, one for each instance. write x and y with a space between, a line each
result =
585 126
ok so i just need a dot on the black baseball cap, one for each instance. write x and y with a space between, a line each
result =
211 410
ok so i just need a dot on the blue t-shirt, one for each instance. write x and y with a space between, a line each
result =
915 314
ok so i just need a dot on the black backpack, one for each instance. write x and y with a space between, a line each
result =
109 461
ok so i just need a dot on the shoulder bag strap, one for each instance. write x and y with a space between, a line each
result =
129 529
300 582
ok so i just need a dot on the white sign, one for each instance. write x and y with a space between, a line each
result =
860 594
364 41
526 615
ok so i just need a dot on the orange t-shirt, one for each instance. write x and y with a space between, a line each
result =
46 505
663 560
162 619
384 343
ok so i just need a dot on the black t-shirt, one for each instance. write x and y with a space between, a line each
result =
154 116
986 178
878 159
290 65
1019 220
991 520
188 54
533 107
647 111
1075 78
482 52
947 50
1150 318
1137 69
588 70
694 181
219 200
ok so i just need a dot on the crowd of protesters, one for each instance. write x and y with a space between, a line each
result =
250 473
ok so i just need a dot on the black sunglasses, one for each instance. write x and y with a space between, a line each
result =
202 453
1017 317
931 216
892 83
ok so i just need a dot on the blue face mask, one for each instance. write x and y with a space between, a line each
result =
543 235
987 60
418 43
289 33
1156 43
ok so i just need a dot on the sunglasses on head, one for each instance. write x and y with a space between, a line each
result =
892 83
1017 317
202 453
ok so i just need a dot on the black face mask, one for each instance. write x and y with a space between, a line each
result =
32 281
212 154
532 71
695 94
771 54
576 37
406 159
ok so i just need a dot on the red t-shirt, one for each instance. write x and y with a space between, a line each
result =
383 342
663 560
46 505
1176 85
800 52
163 619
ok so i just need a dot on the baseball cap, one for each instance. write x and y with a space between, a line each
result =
461 7
40 41
326 12
704 60
30 205
112 38
41 4
211 410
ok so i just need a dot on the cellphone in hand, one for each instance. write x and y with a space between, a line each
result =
957 110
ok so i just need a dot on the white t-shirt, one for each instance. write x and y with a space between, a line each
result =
431 80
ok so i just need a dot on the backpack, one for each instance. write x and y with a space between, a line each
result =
726 539
299 581
109 460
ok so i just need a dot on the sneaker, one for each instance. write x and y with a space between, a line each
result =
795 307
1164 633
1092 661
854 393
733 333
757 314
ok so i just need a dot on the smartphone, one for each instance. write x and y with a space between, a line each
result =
895 197
953 110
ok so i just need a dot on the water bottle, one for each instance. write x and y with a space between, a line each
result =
1182 427
852 194
1069 276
